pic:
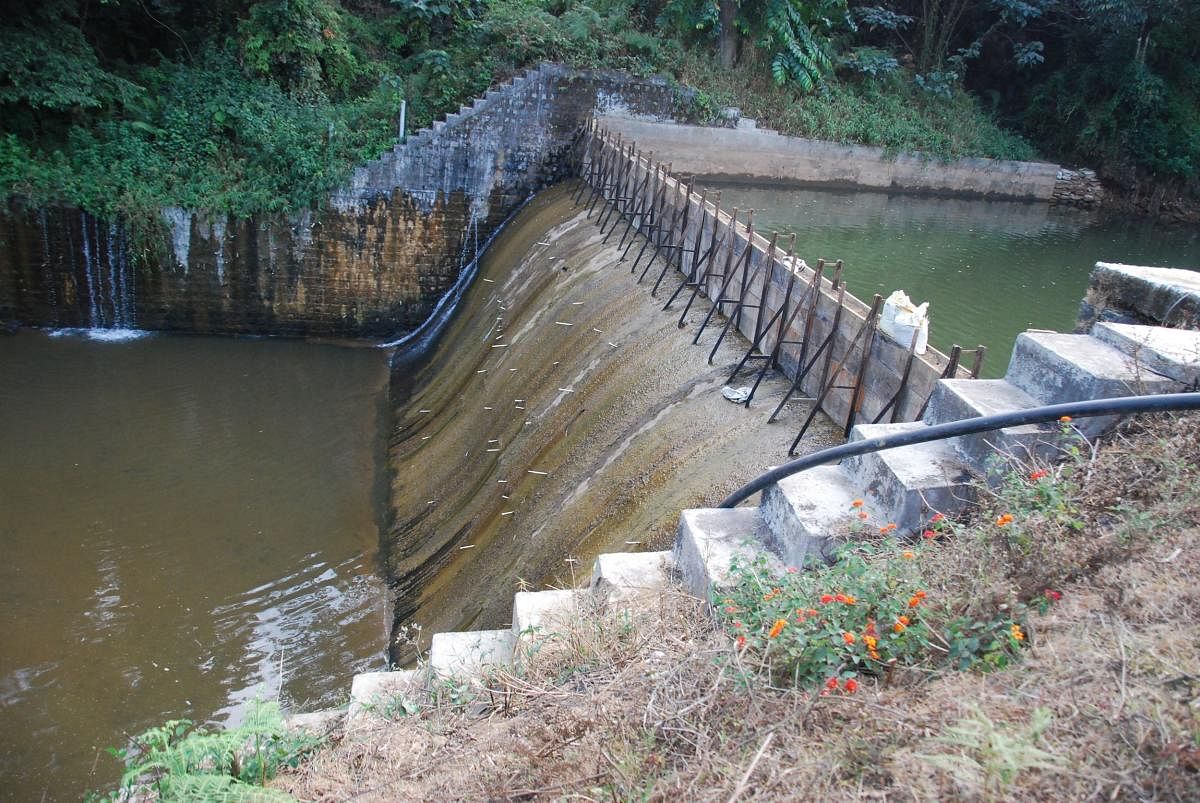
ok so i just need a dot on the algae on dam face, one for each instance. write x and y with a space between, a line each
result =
562 414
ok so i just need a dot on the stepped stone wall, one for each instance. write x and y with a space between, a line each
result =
1077 188
372 262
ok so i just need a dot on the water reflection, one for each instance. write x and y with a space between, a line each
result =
188 523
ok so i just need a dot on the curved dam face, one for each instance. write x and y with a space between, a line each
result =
562 414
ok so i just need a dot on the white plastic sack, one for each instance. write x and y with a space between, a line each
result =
901 318
736 395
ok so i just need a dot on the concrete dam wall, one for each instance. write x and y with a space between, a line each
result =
371 262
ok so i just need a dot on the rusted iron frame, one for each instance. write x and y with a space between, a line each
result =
733 263
586 156
639 201
778 314
948 373
673 225
700 276
825 347
646 225
652 226
620 197
595 163
702 280
736 315
679 250
977 365
600 188
864 365
697 260
893 403
662 235
831 385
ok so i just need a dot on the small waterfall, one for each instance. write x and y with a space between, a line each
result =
89 273
108 275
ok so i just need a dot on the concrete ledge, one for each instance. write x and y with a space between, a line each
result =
909 484
805 512
626 575
373 691
1141 294
469 655
959 399
318 723
1053 367
710 539
1173 353
531 609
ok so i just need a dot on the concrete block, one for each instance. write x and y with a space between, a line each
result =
372 692
1172 353
471 654
708 541
805 512
908 484
628 575
533 611
1053 367
318 723
959 399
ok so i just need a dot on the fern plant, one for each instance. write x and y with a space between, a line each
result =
182 761
797 32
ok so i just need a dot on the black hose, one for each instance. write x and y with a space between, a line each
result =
969 426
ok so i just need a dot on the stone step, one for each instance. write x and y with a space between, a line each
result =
629 575
806 512
1053 367
909 484
959 399
377 693
1172 353
469 655
710 539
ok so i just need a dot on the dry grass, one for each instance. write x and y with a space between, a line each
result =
1104 705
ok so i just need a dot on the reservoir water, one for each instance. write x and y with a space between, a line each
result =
990 269
187 523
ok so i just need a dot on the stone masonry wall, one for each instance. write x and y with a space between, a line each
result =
372 262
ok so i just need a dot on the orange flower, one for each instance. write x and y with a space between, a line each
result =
850 600
1037 475
903 620
812 612
899 628
1004 520
826 599
831 684
777 628
848 638
908 554
870 641
862 515
851 686
1016 632
914 602
856 503
870 629
887 528
937 517
840 598
929 534
741 642
1066 419
874 655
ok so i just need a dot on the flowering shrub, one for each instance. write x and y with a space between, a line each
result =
829 625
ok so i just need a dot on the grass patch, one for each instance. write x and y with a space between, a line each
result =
1098 698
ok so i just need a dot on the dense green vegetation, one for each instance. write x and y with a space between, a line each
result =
123 106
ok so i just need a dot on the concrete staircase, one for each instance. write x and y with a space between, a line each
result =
804 516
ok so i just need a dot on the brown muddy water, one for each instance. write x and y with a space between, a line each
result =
187 523
562 414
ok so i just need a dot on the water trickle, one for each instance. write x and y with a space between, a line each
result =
89 274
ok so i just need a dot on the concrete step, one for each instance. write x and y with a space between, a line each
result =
471 654
628 575
959 399
806 512
534 611
1172 353
710 539
378 693
1053 367
907 485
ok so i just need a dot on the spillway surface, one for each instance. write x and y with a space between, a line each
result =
188 523
562 414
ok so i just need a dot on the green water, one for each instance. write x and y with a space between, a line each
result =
990 269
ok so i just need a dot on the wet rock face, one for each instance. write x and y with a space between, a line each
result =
367 272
